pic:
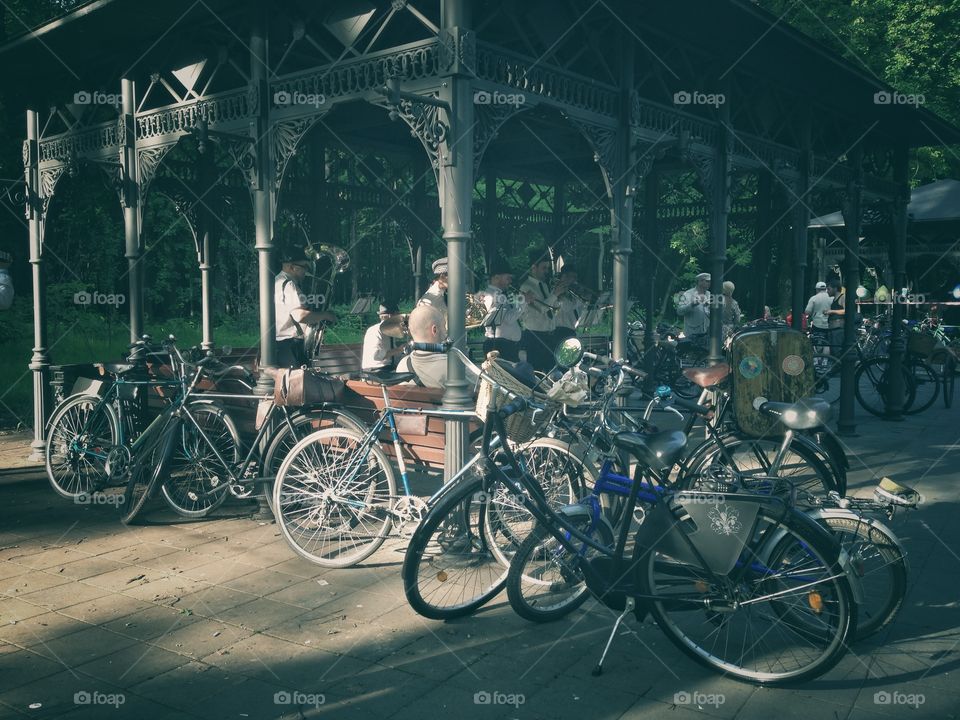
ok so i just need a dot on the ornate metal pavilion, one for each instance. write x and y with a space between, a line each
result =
605 96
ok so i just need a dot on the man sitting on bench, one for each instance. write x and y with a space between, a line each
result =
427 325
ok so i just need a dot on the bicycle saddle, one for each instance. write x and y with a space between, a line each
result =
802 415
657 451
388 380
708 376
117 368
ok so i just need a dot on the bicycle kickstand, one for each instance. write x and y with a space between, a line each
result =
598 670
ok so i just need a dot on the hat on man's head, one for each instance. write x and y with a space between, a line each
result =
499 266
388 307
295 255
821 285
703 276
440 266
538 256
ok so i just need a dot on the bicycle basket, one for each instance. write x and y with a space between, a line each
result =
718 525
520 426
921 344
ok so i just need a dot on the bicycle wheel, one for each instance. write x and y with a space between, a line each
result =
333 497
449 569
826 373
563 475
198 481
871 386
147 469
282 440
545 582
77 445
787 618
751 460
880 566
926 384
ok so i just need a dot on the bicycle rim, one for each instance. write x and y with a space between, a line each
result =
926 387
334 497
545 582
198 482
871 386
145 474
77 445
791 619
449 569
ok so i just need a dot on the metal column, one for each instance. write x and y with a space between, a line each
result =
622 202
651 242
851 280
764 239
456 198
131 209
719 216
262 213
204 239
898 257
801 218
40 360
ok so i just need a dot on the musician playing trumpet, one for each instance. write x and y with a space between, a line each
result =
292 311
539 322
570 307
501 325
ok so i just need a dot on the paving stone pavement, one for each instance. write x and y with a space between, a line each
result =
218 619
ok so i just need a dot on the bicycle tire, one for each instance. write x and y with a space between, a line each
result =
73 474
871 386
145 473
881 567
533 592
561 472
949 382
676 595
926 383
319 506
449 570
801 467
197 482
281 441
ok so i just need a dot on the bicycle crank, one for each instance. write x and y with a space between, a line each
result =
409 511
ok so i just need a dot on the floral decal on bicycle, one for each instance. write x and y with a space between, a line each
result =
724 521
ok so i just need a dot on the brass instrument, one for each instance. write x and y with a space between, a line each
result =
516 292
397 326
582 293
476 310
322 286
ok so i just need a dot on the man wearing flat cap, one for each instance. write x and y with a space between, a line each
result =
694 307
380 351
292 313
501 326
436 294
539 322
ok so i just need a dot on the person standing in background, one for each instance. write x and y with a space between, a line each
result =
731 309
694 307
835 315
538 315
436 294
817 307
501 326
6 282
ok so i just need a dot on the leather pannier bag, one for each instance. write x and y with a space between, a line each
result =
299 386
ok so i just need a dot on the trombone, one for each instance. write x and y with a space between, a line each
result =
513 291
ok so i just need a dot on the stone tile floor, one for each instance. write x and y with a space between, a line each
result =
218 619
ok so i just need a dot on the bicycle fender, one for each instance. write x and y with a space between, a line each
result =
881 527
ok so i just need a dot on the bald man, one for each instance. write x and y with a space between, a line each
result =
427 324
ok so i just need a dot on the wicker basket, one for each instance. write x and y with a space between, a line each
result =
520 426
921 344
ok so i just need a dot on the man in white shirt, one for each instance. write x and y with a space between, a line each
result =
694 307
570 309
436 294
817 307
380 351
6 282
538 314
501 326
292 313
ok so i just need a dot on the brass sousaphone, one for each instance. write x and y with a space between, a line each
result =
321 286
